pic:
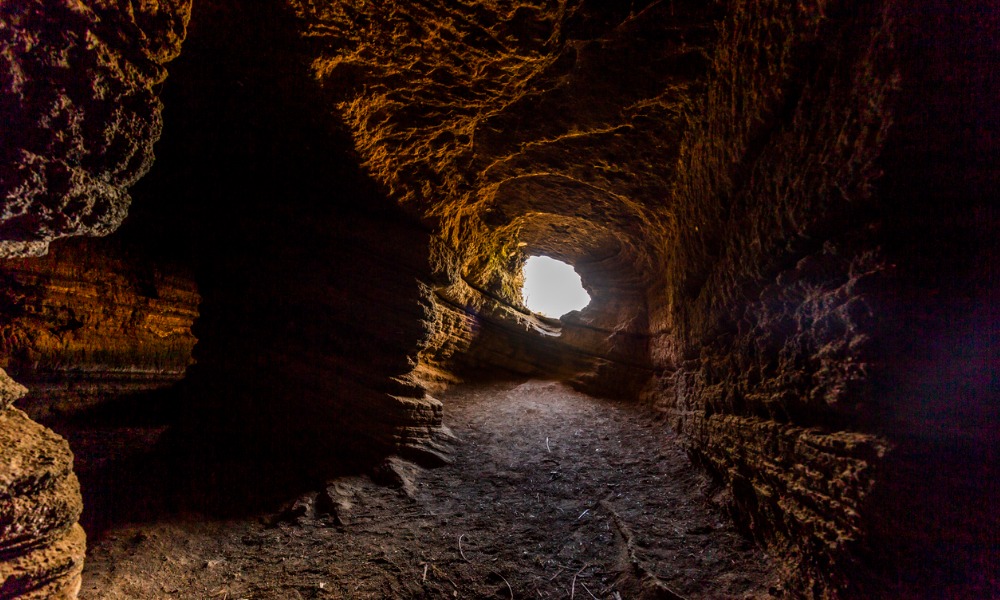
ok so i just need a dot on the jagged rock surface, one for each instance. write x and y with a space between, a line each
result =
80 112
778 317
41 545
10 391
782 212
516 132
719 196
304 348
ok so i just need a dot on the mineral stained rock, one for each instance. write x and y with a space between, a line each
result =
713 171
80 112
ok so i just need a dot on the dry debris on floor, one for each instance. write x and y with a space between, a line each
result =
552 494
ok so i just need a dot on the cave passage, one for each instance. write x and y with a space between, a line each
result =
782 214
552 288
552 492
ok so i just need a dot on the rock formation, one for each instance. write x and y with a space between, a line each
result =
88 321
80 112
40 541
782 213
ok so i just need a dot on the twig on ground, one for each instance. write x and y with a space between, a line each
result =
509 589
425 571
582 514
572 588
547 445
444 576
460 547
588 591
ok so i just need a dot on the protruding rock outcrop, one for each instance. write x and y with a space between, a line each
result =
80 112
41 544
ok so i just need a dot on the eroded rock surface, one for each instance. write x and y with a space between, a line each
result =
783 214
41 545
79 104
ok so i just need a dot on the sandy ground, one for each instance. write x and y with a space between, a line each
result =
552 494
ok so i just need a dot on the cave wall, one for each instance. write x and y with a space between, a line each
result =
90 321
936 385
782 212
314 301
79 103
514 130
41 544
783 323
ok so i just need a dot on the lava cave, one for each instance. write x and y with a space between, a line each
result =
263 331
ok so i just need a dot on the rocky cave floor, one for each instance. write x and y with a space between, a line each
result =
552 494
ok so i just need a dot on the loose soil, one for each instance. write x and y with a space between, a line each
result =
552 494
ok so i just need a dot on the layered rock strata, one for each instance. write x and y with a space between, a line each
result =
91 321
313 283
78 98
516 132
41 544
782 213
780 318
765 324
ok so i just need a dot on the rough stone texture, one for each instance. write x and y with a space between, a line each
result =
476 333
91 320
80 112
783 212
313 310
763 323
10 391
51 572
720 198
779 316
40 541
514 131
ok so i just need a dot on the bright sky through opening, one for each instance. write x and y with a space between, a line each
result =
552 287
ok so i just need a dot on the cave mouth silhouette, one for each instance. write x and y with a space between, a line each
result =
552 288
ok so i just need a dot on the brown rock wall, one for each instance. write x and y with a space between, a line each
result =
493 123
90 321
817 330
784 306
41 544
313 282
50 572
766 323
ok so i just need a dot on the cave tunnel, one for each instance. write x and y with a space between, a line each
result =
263 331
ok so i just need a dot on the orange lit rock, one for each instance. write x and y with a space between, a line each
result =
40 505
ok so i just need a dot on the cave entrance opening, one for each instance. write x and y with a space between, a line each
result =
552 288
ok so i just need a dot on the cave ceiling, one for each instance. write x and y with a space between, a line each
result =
549 126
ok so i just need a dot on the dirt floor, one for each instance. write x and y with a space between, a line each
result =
552 494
